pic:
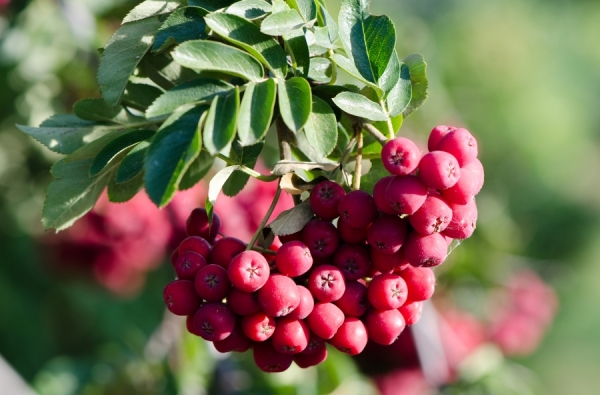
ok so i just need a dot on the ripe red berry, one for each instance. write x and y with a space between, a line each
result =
357 209
279 296
197 225
313 359
243 303
400 156
258 326
293 259
325 319
425 250
225 249
420 282
315 343
352 260
326 283
212 283
291 336
237 341
214 321
324 199
476 167
270 361
387 233
464 190
464 220
188 264
180 297
433 216
380 195
439 170
460 144
189 324
386 263
196 244
405 195
351 235
351 338
384 327
320 237
306 305
293 237
353 302
411 312
387 291
437 134
248 271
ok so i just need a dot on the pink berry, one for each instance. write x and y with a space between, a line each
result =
225 250
460 144
476 167
313 359
181 298
400 156
387 291
258 326
326 283
357 209
279 296
386 263
420 282
351 235
464 190
352 260
197 225
212 283
242 303
411 312
270 361
437 134
433 216
248 271
306 305
214 321
325 319
464 220
406 194
293 259
387 233
439 170
196 244
320 237
425 250
291 336
353 302
188 264
384 327
237 341
351 338
324 199
380 195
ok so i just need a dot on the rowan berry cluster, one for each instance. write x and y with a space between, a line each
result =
365 279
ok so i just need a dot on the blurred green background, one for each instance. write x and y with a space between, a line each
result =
522 76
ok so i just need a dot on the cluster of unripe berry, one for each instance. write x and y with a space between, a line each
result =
365 279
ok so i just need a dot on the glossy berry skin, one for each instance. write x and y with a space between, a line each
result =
476 167
433 216
306 305
352 260
292 237
380 195
313 359
405 195
315 343
411 312
351 235
320 237
237 341
400 156
243 303
293 259
324 199
326 283
353 302
351 338
248 271
325 320
291 336
387 233
384 327
436 135
420 282
439 170
425 250
357 209
197 225
464 221
270 361
464 190
189 324
386 263
387 291
225 249
212 283
279 296
258 326
188 264
214 321
196 244
180 297
461 144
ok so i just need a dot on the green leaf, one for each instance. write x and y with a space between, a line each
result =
369 40
249 9
320 130
195 91
382 126
320 70
96 110
121 56
306 8
133 163
151 8
292 220
119 193
322 37
219 128
112 149
214 188
197 170
211 5
390 77
246 156
182 25
346 65
376 173
281 23
175 146
417 69
400 96
214 56
164 71
278 6
328 21
65 133
295 102
358 105
248 36
297 48
256 111
140 96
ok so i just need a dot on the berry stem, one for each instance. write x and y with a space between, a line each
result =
247 170
263 250
390 127
358 166
265 219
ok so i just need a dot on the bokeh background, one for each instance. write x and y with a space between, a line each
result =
78 315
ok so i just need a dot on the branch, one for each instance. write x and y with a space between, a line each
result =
250 245
247 170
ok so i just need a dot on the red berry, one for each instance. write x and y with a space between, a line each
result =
351 235
270 361
352 260
400 156
353 302
214 321
387 291
258 326
464 190
439 170
248 271
326 283
196 244
380 195
236 342
242 303
425 250
188 264
291 336
460 144
279 296
181 298
293 259
307 360
212 283
197 225
189 325
420 282
320 237
293 237
384 327
464 221
411 312
225 250
437 134
476 167
357 209
387 233
307 303
386 263
315 344
433 216
405 195
325 319
351 338
324 199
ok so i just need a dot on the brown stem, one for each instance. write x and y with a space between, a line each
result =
283 136
358 166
